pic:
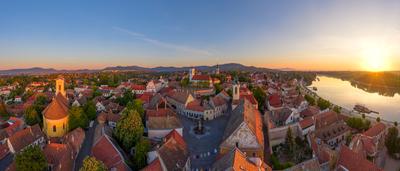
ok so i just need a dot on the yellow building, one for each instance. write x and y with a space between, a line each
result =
55 116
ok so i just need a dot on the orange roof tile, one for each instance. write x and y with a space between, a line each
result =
155 165
375 130
349 160
57 109
60 156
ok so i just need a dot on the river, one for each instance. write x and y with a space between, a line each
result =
342 93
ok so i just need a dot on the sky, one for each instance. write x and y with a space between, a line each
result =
302 35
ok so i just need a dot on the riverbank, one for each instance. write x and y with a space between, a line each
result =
344 110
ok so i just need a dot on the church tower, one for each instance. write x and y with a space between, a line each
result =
236 91
192 72
55 115
217 70
60 86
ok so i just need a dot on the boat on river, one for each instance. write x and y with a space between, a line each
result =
362 109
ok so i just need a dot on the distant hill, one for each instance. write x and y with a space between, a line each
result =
223 67
41 71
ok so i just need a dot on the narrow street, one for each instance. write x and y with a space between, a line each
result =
86 146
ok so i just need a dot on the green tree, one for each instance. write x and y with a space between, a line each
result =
395 123
136 105
310 100
3 110
358 123
218 88
323 104
129 129
77 118
185 82
31 158
141 149
260 96
90 110
378 119
126 98
31 116
289 141
92 164
337 109
392 142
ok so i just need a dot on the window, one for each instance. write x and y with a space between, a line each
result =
59 87
236 90
237 144
64 126
54 128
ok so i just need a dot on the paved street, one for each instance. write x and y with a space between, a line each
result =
86 147
204 150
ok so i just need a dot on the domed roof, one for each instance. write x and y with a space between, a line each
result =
57 109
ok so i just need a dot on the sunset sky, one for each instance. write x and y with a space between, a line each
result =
303 35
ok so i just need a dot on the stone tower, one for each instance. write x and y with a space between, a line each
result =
192 72
236 91
60 86
217 70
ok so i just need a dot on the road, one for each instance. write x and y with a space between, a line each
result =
86 147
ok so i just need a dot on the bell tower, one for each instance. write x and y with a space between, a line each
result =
192 72
60 86
236 91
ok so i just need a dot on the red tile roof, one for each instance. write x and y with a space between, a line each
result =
237 160
138 87
163 112
155 165
57 109
195 106
310 111
174 153
25 137
75 139
201 77
275 100
105 151
60 156
145 97
351 161
218 101
375 130
307 122
16 126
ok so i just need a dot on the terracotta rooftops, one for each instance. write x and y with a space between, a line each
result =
57 109
174 153
60 156
375 130
166 120
155 165
138 87
236 160
201 77
351 161
307 122
25 137
105 150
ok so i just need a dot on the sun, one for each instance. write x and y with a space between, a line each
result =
375 59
